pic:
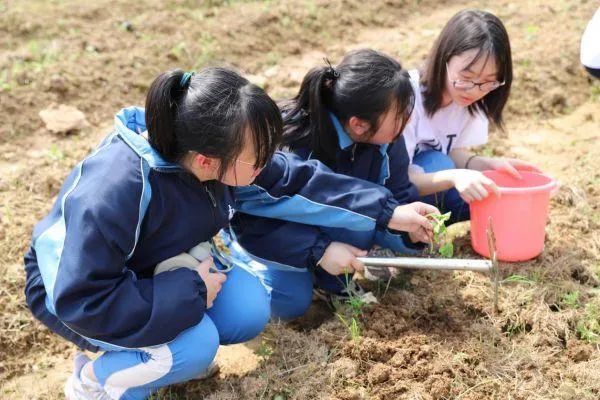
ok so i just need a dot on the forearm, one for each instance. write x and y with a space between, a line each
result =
429 183
464 158
461 157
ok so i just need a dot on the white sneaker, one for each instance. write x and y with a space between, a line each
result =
82 388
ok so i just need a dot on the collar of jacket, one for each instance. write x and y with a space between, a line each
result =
130 125
344 139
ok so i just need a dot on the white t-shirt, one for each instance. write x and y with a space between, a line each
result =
590 43
451 127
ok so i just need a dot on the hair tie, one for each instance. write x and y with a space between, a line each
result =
331 72
185 79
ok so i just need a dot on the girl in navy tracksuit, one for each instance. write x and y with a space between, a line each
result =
104 267
350 117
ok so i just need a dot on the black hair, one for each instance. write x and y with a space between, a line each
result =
469 29
365 84
211 113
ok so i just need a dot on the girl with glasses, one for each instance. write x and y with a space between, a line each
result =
462 88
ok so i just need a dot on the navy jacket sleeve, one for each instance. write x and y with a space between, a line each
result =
308 192
398 182
82 256
284 242
404 192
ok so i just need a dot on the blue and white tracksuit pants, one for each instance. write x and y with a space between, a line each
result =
239 313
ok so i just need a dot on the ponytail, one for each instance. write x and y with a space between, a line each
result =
306 118
365 84
209 113
162 102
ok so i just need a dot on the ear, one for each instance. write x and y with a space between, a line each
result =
358 126
203 162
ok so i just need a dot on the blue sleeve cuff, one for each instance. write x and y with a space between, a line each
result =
386 213
318 250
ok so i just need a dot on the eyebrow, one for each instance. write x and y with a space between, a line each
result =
495 74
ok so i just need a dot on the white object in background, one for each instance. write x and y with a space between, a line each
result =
590 43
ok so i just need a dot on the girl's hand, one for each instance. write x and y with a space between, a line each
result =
340 258
473 185
421 235
509 165
412 218
213 280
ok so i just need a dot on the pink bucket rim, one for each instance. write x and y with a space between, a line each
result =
547 187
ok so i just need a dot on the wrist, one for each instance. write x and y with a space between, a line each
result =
446 179
470 161
480 163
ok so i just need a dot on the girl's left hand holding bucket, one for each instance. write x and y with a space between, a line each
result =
510 165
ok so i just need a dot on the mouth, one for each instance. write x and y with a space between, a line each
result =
466 100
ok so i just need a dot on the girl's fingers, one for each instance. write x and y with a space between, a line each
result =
356 251
221 278
422 222
426 209
481 191
475 195
508 167
423 236
357 265
523 165
491 185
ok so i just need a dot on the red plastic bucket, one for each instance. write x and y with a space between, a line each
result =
519 215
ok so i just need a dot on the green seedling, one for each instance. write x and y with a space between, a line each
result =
571 299
588 327
446 250
353 310
55 153
352 325
519 279
264 350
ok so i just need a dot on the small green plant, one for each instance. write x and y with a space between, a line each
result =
513 329
55 153
446 250
351 311
519 279
571 299
588 327
352 325
595 92
264 350
531 31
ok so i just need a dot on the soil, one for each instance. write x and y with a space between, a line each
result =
434 334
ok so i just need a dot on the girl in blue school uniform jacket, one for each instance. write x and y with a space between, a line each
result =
350 118
135 202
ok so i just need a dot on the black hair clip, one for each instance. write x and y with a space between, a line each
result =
331 72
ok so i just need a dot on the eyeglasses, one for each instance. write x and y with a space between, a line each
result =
468 85
250 164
